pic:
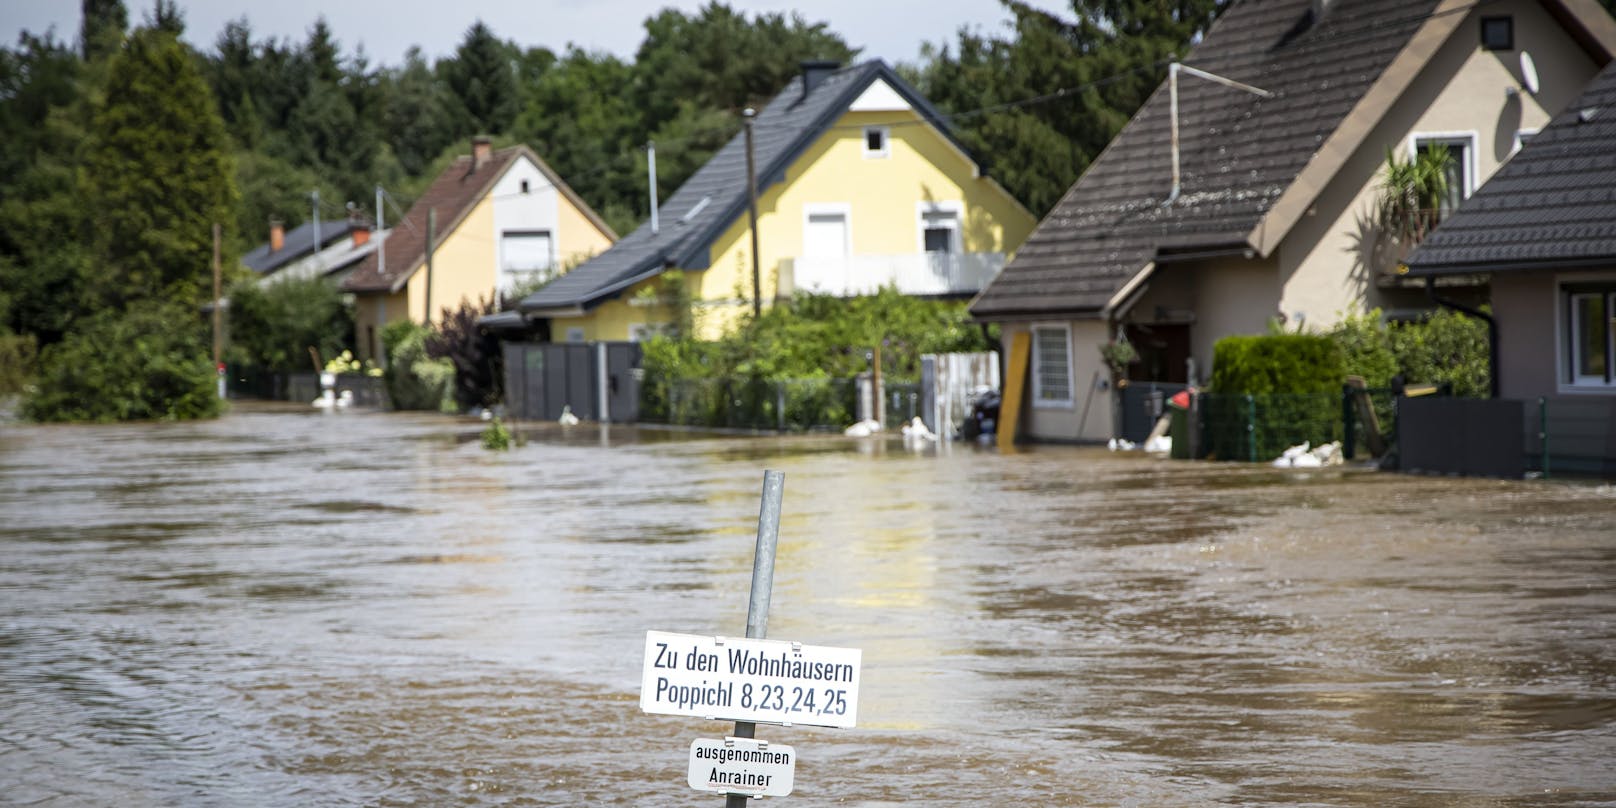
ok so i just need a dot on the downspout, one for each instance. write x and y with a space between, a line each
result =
1492 329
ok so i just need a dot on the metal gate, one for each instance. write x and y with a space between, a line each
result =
593 379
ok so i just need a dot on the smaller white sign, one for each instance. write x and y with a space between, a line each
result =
742 766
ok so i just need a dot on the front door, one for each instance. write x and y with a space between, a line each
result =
1164 352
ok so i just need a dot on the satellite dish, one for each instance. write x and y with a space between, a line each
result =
1528 73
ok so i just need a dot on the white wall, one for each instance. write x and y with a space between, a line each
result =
514 210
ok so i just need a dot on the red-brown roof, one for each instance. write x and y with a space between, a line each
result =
453 195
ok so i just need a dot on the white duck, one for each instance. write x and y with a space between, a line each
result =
567 418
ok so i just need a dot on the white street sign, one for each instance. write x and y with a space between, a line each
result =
762 681
742 766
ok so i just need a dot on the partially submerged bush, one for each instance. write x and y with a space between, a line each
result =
149 362
416 381
1276 363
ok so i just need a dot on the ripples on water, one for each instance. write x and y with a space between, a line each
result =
292 608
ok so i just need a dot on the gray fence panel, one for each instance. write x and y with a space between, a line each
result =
1470 437
1142 404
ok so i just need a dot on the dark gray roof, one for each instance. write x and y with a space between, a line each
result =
707 203
1239 153
298 243
1552 206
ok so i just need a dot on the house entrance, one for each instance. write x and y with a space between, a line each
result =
1164 352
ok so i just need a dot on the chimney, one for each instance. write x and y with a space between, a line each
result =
277 235
815 71
361 236
482 148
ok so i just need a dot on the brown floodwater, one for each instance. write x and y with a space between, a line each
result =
288 607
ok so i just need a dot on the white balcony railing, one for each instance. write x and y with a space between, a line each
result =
912 273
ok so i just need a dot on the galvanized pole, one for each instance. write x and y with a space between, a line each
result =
757 608
218 309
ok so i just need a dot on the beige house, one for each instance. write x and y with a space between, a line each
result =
499 221
1272 217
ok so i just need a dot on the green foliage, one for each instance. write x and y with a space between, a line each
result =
1445 348
274 325
149 362
1284 363
473 353
414 380
102 28
159 172
1411 191
496 437
18 354
481 86
1038 151
1366 349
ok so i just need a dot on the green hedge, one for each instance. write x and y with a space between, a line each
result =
1276 363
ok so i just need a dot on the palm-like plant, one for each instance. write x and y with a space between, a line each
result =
1412 192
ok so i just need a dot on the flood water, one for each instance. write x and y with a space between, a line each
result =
290 608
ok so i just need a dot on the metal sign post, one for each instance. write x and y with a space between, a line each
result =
757 606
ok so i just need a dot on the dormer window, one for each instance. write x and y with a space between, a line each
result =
875 141
1498 33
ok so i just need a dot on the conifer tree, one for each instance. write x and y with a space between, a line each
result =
158 174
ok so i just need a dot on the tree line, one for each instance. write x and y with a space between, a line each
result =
120 150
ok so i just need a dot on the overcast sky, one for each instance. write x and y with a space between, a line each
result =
890 29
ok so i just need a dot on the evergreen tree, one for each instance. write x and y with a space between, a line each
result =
102 28
1116 51
481 83
417 120
157 174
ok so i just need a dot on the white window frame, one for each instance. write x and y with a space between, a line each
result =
954 206
843 209
1467 139
1567 362
886 142
1038 399
505 238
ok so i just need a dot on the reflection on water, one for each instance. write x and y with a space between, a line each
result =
293 608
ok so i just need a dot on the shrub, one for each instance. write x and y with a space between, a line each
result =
496 437
1280 363
1445 348
274 325
1366 348
147 363
474 354
18 354
416 381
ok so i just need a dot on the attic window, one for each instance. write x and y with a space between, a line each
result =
524 186
875 141
1498 33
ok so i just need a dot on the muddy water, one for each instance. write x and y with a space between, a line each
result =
288 608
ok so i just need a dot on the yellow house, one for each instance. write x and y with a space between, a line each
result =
498 220
860 185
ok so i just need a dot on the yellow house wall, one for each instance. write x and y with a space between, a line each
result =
462 266
577 238
372 312
882 196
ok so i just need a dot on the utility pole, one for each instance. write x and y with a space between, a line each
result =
751 212
650 167
218 309
381 243
431 235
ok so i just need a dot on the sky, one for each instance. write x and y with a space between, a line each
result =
890 29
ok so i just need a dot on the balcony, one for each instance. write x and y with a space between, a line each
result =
933 274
